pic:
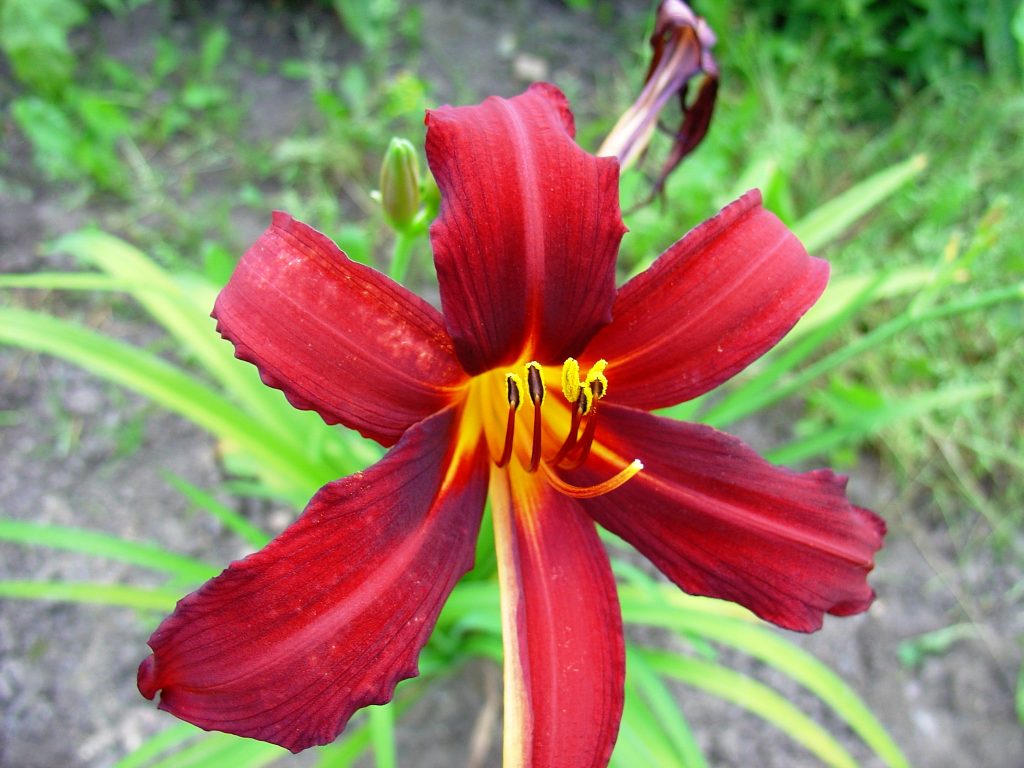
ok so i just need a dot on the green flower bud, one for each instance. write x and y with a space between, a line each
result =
400 184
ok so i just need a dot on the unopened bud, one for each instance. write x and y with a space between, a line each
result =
400 184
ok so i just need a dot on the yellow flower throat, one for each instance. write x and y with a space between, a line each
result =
521 424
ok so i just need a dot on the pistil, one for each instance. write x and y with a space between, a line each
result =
599 489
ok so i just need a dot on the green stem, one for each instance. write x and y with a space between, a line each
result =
382 735
401 255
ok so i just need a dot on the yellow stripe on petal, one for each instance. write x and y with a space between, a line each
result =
564 660
517 721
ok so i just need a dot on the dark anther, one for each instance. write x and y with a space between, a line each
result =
535 383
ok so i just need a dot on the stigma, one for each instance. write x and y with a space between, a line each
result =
572 449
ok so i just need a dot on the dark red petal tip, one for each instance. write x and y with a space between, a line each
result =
147 679
286 644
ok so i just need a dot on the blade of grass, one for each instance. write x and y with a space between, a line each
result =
1020 695
687 615
167 385
216 750
779 364
227 516
842 291
755 697
299 430
168 304
157 744
640 742
486 646
139 598
356 738
382 736
67 281
664 709
753 401
827 222
103 545
348 749
868 423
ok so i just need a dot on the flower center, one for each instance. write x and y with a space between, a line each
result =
542 433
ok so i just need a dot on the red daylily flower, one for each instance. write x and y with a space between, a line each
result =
534 387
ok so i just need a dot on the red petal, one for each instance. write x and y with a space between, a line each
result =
564 657
708 307
721 521
529 229
286 644
336 336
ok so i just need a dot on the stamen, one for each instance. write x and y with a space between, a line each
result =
574 428
535 386
514 387
596 381
590 491
535 382
571 380
586 441
584 396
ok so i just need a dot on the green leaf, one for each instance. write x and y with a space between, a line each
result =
1020 695
664 709
157 744
53 136
184 315
33 35
756 391
227 516
181 304
67 281
290 472
842 291
754 400
755 697
857 424
827 222
912 651
216 750
382 735
103 545
719 621
139 598
640 741
215 44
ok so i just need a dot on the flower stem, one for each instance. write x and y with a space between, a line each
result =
382 736
401 254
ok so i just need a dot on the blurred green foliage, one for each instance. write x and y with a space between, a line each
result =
880 53
33 36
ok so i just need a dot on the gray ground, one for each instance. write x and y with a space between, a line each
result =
67 673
